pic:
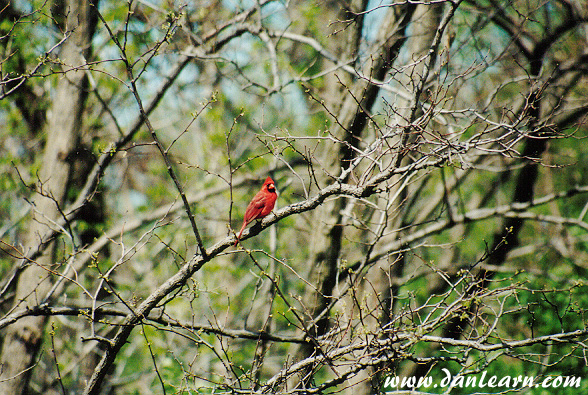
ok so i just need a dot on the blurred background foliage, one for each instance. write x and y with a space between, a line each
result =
264 104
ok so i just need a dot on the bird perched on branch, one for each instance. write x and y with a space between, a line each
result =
261 205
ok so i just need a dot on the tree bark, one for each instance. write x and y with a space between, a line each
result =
23 339
378 293
352 119
506 238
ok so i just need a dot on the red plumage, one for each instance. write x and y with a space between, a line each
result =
261 205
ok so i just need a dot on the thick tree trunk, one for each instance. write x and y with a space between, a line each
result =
506 239
22 341
352 119
378 292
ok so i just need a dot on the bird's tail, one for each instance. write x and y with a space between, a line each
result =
241 232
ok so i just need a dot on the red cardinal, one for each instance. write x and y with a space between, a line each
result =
261 205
